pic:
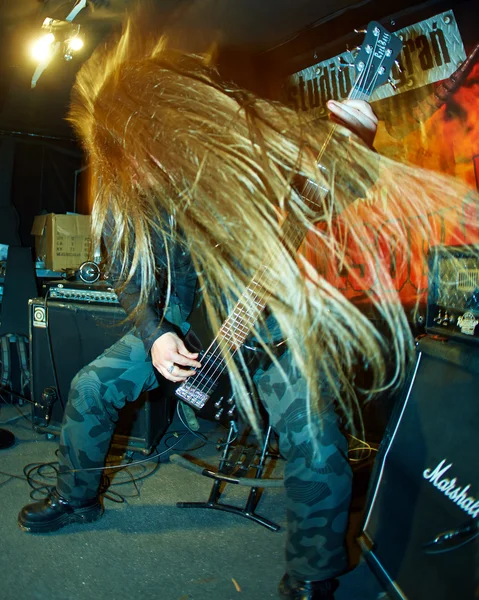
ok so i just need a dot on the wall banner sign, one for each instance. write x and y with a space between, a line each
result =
432 51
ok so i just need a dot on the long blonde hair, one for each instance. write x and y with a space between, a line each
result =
165 135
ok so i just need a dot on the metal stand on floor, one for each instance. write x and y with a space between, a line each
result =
235 462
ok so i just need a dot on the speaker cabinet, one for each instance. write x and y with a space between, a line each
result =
420 534
64 337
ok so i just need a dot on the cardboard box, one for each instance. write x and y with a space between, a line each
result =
62 241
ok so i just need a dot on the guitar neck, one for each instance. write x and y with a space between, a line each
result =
248 308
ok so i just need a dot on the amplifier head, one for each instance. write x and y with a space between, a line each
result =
453 292
79 291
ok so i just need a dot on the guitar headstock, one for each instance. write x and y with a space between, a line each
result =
375 59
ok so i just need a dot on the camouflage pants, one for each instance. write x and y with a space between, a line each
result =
97 393
318 478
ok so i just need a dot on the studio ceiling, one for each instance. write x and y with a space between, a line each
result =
261 23
257 26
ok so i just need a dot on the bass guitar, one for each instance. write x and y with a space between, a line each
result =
372 64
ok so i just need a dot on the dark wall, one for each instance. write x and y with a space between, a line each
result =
36 175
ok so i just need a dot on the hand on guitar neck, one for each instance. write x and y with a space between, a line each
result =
357 116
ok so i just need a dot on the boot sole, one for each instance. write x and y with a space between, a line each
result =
85 515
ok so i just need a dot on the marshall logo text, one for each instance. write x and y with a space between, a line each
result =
449 487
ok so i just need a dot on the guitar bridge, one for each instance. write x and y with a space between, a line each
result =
191 395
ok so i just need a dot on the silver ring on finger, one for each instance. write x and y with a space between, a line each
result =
171 368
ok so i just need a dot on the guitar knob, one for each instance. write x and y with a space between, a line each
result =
218 414
230 401
231 411
219 403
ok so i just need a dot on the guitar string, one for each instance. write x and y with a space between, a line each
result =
208 378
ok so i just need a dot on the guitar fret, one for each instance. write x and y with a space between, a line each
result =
362 95
236 327
244 316
234 339
240 318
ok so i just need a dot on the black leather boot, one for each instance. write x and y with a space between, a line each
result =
55 512
291 588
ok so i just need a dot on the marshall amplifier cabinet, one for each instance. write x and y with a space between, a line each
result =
421 529
453 292
67 332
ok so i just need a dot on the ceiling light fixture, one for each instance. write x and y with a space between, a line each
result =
58 36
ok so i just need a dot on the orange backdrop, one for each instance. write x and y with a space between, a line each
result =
446 140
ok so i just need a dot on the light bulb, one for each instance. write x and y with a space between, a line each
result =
42 48
75 43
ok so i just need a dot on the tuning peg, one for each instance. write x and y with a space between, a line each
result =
398 65
360 31
392 84
344 63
